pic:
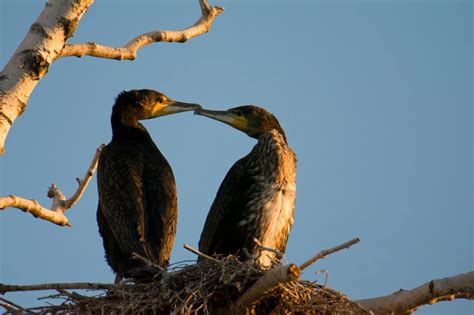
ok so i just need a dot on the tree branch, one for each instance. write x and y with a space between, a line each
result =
407 301
325 253
46 41
129 51
60 204
4 288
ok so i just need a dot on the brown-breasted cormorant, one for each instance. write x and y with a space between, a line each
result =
138 207
256 199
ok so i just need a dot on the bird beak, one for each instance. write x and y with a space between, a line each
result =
173 107
230 118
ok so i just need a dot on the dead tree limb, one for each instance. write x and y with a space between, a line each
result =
407 301
46 41
60 204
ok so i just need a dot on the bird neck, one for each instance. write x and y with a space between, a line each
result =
269 146
130 128
273 157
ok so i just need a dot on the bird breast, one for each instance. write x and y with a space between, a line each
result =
273 205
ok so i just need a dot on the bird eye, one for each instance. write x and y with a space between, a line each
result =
238 113
136 104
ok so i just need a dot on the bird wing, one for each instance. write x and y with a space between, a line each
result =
120 185
161 217
222 232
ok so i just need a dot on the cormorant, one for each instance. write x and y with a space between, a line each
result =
138 208
256 199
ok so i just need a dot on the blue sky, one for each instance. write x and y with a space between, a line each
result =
375 98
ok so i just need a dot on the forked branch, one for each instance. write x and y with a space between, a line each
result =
60 204
129 51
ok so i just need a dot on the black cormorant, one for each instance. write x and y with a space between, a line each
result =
256 199
138 208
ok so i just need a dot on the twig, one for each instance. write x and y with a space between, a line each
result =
262 286
279 255
325 253
55 286
148 262
129 51
407 301
60 204
326 273
9 305
195 251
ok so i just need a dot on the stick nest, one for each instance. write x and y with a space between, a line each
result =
206 288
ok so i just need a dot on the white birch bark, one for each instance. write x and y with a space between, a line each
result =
30 62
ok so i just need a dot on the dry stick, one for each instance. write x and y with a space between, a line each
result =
147 262
55 286
269 280
327 252
129 51
10 304
60 204
195 251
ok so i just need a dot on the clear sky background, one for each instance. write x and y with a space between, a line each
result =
375 97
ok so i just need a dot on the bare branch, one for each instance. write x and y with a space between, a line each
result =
59 205
82 183
46 41
33 207
195 251
129 51
4 288
407 301
268 281
325 253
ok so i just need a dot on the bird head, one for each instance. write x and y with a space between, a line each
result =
252 120
137 105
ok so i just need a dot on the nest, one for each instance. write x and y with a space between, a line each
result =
209 287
